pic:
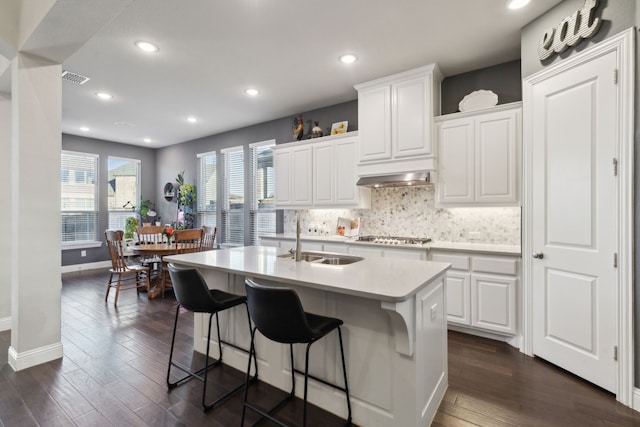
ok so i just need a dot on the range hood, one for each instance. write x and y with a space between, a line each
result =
396 180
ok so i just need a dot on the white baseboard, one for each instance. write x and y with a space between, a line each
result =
34 357
87 266
636 399
5 324
513 341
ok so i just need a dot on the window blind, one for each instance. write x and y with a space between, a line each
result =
262 211
123 190
233 203
207 189
79 197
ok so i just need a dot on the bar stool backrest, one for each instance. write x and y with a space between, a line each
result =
191 290
277 313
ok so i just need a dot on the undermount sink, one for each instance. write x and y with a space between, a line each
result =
325 258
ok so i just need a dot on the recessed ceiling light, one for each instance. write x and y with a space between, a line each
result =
147 140
348 58
146 46
516 4
104 95
192 119
251 91
85 129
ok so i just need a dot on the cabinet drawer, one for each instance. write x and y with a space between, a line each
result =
495 265
458 262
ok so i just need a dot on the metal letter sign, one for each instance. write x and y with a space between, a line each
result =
582 24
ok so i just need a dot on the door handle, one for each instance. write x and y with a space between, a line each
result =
538 255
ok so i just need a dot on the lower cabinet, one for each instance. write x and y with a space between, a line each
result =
482 291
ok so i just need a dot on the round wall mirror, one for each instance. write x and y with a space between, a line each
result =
168 192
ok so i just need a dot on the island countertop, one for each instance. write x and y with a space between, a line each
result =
383 279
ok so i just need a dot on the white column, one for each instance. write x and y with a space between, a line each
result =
35 211
5 212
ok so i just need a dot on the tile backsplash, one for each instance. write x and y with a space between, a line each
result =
411 212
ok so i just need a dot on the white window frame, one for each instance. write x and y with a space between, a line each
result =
254 199
95 242
203 214
226 211
123 211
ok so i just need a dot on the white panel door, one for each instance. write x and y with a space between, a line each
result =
496 138
374 122
411 111
456 165
574 221
323 174
458 287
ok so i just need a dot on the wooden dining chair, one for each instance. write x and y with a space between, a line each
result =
128 276
185 241
209 242
150 235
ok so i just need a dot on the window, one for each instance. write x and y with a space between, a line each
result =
79 197
207 189
262 213
233 199
123 190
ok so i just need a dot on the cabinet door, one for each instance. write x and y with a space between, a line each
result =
338 248
405 254
365 251
496 157
411 117
458 288
346 192
323 174
494 300
456 165
283 169
374 123
301 176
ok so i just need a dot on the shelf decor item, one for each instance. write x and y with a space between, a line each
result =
316 131
298 127
478 100
339 127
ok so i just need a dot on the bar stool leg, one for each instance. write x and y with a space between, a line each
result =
346 385
173 341
306 381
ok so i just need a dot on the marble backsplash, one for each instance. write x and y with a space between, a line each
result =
411 212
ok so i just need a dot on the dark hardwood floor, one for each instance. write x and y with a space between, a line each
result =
114 369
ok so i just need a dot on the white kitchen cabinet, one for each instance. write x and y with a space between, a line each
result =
482 291
319 174
404 253
334 175
364 251
268 241
293 178
479 156
395 116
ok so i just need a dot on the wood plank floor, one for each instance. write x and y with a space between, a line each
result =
113 374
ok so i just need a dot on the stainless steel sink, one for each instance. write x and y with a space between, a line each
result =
325 258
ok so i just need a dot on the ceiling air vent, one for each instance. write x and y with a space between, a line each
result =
74 78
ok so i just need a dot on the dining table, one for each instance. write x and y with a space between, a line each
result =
161 281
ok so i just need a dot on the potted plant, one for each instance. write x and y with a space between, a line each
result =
146 210
186 202
130 226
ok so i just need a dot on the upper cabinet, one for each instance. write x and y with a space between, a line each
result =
319 174
395 117
479 157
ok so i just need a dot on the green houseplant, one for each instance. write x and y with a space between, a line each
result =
130 226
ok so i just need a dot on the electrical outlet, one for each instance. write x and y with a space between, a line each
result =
475 235
83 253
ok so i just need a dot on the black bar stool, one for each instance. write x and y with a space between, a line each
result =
193 294
278 314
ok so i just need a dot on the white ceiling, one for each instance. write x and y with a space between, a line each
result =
210 51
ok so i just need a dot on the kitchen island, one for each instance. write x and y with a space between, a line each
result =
394 315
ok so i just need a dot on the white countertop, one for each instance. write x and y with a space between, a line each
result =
487 248
383 279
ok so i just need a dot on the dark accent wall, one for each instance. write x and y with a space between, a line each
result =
617 15
503 79
104 149
175 158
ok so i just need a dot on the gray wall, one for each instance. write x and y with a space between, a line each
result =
503 79
182 157
104 149
617 15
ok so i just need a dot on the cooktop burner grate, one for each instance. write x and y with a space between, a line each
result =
393 240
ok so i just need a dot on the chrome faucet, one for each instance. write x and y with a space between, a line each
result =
298 253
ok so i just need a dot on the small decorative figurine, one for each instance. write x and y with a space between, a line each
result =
298 127
316 132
